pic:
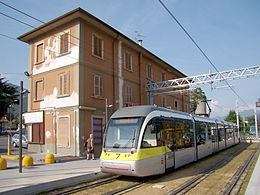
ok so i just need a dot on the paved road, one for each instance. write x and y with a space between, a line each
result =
3 146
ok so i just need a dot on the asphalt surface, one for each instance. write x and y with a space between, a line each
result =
4 144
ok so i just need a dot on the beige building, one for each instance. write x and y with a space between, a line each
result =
76 61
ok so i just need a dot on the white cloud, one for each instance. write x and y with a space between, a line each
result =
217 110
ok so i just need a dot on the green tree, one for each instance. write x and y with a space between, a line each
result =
232 117
195 96
8 93
251 121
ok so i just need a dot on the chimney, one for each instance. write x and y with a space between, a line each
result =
140 42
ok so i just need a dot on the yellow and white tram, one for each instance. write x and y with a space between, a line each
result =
149 140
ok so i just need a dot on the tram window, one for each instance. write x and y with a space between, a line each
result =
221 133
149 139
184 134
236 132
212 134
201 129
229 132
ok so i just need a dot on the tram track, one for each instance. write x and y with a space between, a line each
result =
193 182
237 176
124 185
72 190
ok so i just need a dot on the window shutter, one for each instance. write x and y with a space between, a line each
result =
101 87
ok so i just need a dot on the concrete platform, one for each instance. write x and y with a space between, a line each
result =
253 187
45 177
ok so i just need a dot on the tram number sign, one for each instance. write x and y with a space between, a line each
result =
257 104
117 156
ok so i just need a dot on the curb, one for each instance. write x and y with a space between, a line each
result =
56 184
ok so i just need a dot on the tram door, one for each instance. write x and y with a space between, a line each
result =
168 136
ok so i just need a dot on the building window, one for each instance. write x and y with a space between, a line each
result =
163 76
129 94
176 105
64 46
39 53
63 84
128 61
149 71
37 133
63 132
38 90
97 46
164 101
98 86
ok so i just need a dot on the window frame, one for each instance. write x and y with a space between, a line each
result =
163 76
176 102
164 100
67 73
35 90
149 71
130 68
129 97
100 84
69 130
93 46
59 41
36 52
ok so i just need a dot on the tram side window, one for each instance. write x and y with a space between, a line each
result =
236 132
221 133
201 129
149 138
212 134
229 132
184 134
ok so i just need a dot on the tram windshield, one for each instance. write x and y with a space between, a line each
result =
123 132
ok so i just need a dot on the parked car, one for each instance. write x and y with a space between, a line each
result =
15 141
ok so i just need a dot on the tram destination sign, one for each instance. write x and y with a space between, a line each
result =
257 104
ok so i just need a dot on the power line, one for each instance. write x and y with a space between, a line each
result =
6 36
17 20
21 12
203 53
30 16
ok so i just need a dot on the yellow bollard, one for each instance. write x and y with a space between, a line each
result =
2 164
27 161
9 144
49 159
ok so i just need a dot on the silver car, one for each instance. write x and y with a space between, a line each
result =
15 141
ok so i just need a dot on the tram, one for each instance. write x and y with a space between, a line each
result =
149 140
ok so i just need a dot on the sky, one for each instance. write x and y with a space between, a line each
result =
228 31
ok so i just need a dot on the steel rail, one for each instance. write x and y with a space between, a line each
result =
84 186
234 180
193 182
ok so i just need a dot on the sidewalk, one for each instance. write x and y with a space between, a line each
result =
45 177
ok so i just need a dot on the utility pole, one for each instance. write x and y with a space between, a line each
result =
20 126
238 119
256 122
106 111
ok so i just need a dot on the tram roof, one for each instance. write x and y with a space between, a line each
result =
141 111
